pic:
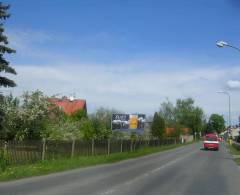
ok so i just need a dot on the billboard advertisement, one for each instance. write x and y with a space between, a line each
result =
128 122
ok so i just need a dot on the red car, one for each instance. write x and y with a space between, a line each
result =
211 141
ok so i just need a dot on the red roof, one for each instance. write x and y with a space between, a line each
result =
69 106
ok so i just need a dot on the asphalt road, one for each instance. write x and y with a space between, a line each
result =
182 171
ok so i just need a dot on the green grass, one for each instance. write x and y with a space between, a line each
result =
51 166
234 151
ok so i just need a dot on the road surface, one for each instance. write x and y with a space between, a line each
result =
185 170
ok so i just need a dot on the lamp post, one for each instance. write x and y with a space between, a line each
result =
222 44
229 106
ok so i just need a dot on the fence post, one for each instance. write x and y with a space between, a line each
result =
43 149
73 147
92 146
121 146
175 141
131 147
5 146
108 141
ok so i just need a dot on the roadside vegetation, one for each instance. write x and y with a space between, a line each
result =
51 166
235 152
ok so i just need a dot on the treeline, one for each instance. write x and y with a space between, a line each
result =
32 116
184 117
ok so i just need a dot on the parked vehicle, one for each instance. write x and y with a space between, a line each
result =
211 141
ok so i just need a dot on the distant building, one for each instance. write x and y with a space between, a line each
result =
69 105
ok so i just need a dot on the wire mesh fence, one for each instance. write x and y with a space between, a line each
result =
22 152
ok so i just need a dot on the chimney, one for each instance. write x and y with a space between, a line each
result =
71 98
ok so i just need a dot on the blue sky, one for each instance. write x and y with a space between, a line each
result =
128 54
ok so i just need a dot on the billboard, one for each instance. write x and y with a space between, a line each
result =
128 122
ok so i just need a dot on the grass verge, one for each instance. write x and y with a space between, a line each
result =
235 152
51 166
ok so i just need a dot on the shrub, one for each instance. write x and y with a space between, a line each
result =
3 160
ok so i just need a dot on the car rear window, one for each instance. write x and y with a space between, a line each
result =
211 139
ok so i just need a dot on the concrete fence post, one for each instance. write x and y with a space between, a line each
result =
73 148
131 146
5 147
43 149
108 147
121 146
92 146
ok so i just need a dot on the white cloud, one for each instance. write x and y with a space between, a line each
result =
21 38
33 43
133 86
233 84
126 89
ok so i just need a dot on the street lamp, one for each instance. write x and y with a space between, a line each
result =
229 106
225 44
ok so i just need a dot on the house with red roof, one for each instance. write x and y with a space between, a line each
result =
69 105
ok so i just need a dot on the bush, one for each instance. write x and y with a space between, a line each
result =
3 160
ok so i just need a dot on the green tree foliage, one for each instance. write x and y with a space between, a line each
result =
101 122
87 129
78 115
100 128
63 130
34 114
167 111
105 116
133 135
26 120
184 111
117 134
216 123
10 122
189 115
184 114
4 64
1 113
158 126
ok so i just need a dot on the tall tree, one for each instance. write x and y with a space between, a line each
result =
167 111
10 123
4 64
216 123
158 126
189 115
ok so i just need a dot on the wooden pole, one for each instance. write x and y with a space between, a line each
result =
43 149
73 148
108 141
92 146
